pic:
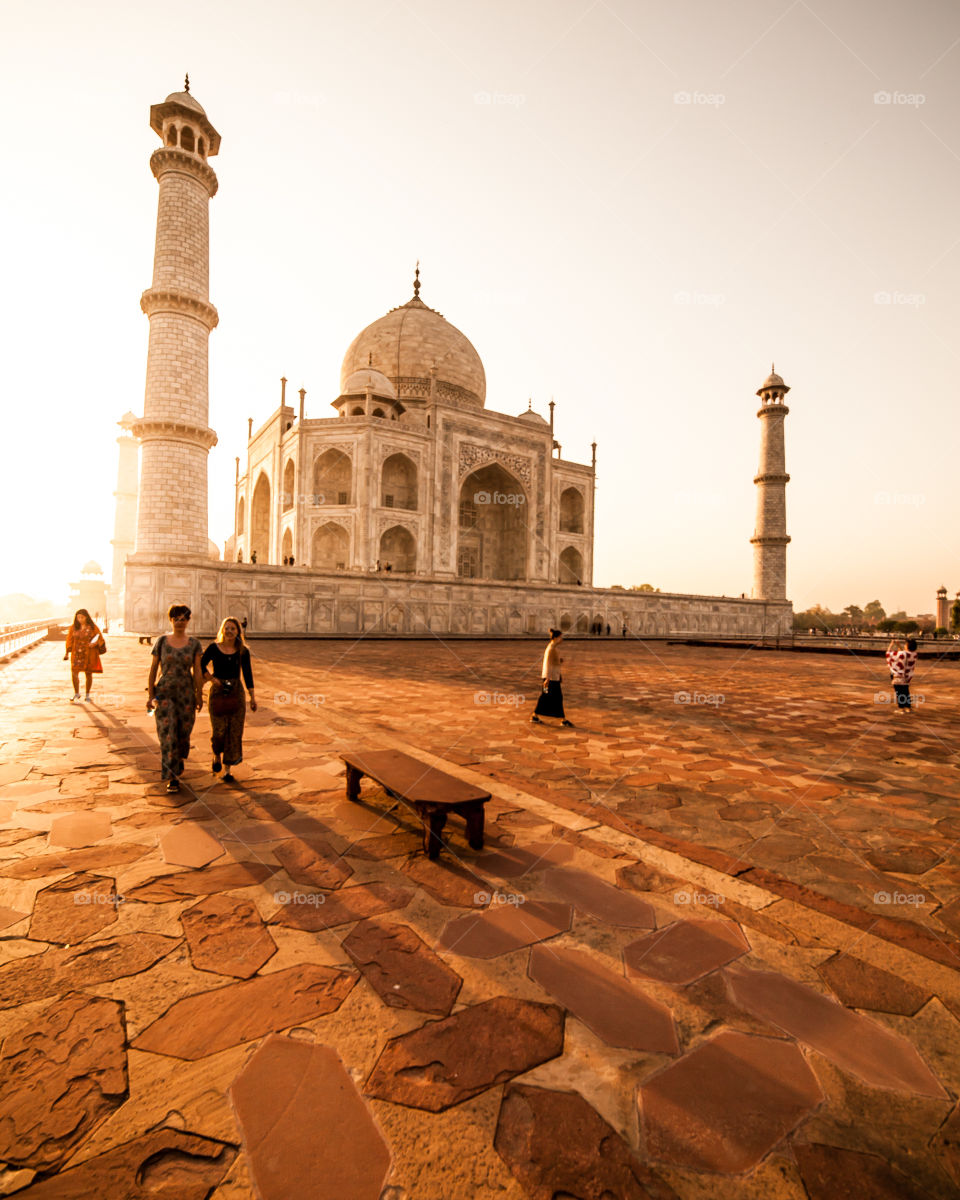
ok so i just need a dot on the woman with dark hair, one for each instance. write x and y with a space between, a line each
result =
177 695
84 644
550 701
222 663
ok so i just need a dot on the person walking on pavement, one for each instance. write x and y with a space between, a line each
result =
550 700
177 696
223 662
84 646
902 661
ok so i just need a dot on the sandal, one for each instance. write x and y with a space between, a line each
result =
228 778
217 766
173 785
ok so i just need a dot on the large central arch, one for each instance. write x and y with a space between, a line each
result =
493 536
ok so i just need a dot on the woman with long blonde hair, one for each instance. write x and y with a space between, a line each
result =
223 663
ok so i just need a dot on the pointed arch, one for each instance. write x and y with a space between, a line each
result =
398 547
330 547
398 483
260 520
571 565
571 510
289 484
492 526
333 478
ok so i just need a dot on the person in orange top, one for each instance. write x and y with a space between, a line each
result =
84 643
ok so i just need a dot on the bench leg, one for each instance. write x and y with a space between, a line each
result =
474 819
354 775
433 828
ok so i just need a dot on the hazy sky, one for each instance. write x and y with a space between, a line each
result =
631 207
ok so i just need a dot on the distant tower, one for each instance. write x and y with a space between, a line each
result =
125 513
770 535
173 433
943 609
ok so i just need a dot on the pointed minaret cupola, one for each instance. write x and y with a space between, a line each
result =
182 124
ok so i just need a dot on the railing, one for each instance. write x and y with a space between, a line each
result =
14 638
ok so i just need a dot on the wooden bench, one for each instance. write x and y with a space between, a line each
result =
432 794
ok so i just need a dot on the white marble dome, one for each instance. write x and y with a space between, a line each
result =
367 377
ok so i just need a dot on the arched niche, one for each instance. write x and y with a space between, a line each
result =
398 549
241 514
333 478
571 565
330 548
492 526
571 510
260 520
289 483
286 549
398 483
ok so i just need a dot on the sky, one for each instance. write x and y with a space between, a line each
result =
632 208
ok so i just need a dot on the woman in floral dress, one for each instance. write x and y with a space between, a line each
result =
177 695
84 642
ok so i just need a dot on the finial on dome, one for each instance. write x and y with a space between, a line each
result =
530 404
773 368
369 358
186 83
416 282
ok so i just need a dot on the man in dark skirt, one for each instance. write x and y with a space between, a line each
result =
550 701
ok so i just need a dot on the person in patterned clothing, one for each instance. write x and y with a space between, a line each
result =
177 695
84 643
902 661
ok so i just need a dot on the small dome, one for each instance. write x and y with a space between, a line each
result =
533 417
91 568
186 100
773 380
213 550
367 377
127 420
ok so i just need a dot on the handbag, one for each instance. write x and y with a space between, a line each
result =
101 647
225 702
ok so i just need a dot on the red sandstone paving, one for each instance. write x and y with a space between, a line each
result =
797 757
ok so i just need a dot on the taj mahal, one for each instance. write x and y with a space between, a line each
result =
413 508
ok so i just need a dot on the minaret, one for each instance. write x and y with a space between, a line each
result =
770 535
173 433
125 513
943 609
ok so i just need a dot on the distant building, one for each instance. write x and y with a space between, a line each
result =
89 591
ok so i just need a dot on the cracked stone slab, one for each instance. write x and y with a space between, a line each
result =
71 909
78 830
119 854
685 950
348 904
504 928
557 1145
188 846
226 935
204 1023
726 1104
447 882
859 985
614 1008
387 845
164 1163
829 1173
401 968
54 971
160 889
876 1055
448 1061
601 900
323 1142
60 1076
10 916
313 863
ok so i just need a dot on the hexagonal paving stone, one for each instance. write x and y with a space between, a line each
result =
728 1103
504 928
204 1023
851 1041
685 950
60 1076
447 882
77 830
162 1163
615 1009
188 846
226 934
829 1173
323 1142
160 889
111 855
313 863
330 909
601 900
402 969
556 1145
860 985
451 1060
70 909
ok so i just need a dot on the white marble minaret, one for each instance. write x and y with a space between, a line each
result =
770 535
173 433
